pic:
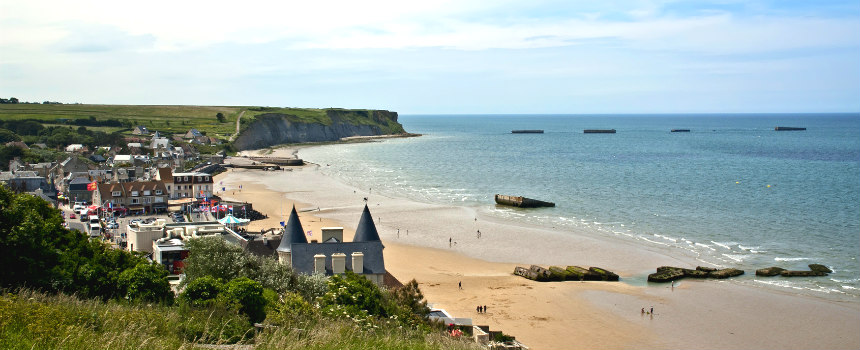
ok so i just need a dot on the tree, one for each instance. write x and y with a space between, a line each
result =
38 252
8 136
30 233
212 256
221 118
146 283
9 153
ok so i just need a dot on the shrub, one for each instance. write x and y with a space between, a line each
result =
357 295
202 291
248 295
146 282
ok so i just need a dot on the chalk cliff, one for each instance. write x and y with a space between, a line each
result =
269 129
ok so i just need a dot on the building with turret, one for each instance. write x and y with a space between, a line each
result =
332 255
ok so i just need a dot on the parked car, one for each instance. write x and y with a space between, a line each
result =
72 216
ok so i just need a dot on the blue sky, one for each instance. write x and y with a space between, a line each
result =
439 56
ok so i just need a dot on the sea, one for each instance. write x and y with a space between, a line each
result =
731 192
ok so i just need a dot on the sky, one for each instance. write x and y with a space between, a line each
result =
439 57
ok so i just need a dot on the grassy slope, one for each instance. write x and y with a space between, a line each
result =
37 321
168 119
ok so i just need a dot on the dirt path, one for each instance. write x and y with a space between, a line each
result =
238 122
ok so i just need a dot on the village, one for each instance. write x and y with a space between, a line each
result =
162 192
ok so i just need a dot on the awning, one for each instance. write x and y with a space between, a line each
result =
159 205
135 207
182 201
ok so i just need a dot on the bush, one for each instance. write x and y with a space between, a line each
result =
202 291
146 283
311 287
357 295
248 295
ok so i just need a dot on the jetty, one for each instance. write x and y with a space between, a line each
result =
279 161
788 128
532 131
680 130
521 202
598 131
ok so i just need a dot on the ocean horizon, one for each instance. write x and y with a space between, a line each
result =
731 192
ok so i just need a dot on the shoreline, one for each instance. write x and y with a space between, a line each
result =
594 314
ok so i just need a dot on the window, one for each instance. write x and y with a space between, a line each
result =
134 193
116 194
147 193
157 192
185 178
168 187
135 201
147 200
205 178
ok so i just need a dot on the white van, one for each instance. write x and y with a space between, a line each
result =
95 230
94 219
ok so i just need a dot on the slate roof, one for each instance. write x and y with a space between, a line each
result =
97 158
366 230
293 233
79 184
303 255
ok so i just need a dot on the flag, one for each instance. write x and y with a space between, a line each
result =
230 208
92 186
310 233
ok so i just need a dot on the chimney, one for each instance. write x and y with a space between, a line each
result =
319 263
338 263
332 232
358 262
286 257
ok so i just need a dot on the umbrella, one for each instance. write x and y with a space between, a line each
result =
229 220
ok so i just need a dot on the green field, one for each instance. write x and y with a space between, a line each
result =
169 119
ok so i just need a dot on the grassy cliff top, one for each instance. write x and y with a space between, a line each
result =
173 119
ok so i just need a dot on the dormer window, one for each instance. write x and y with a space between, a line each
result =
147 193
157 192
205 178
116 193
135 193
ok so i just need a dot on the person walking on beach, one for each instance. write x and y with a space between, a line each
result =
450 241
479 234
652 310
484 309
460 285
398 233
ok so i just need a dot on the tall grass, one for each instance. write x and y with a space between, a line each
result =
33 320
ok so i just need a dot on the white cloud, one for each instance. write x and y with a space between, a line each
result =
181 25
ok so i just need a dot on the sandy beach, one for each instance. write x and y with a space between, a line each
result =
561 315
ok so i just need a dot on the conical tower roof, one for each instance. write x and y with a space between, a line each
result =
366 230
293 232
